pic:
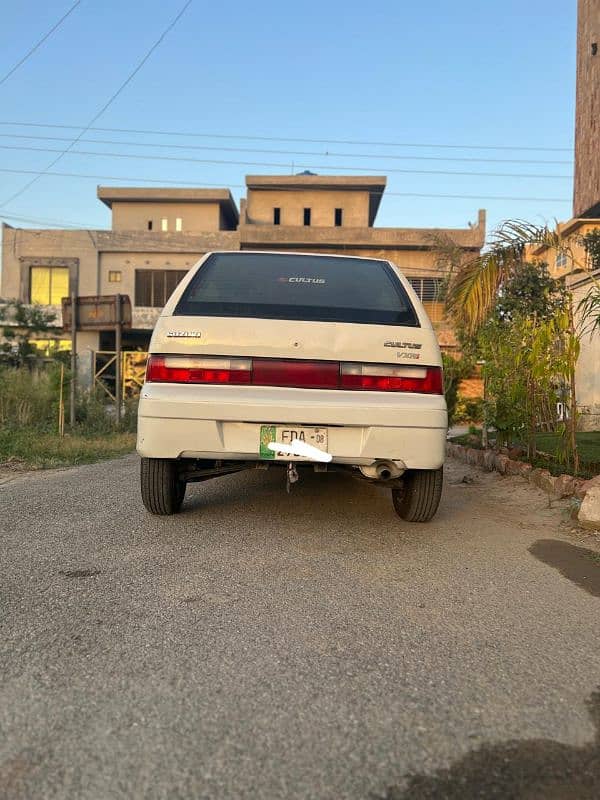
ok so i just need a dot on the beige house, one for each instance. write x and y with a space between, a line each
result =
574 257
158 234
586 194
574 267
572 264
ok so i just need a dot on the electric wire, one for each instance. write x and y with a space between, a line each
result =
111 99
278 165
201 184
249 137
51 222
38 44
326 153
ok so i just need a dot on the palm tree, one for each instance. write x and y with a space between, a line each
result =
474 289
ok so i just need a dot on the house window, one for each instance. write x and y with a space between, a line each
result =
427 289
49 347
276 216
429 292
164 224
149 224
153 287
48 285
307 216
338 217
561 260
114 276
178 224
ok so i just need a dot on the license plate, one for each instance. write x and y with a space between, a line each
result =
285 434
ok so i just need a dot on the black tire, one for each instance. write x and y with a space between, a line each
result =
162 489
418 498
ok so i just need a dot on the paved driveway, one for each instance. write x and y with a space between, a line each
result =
261 645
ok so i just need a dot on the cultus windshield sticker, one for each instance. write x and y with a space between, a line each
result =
300 279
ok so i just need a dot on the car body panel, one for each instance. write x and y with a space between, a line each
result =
223 421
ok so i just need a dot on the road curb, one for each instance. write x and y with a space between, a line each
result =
584 494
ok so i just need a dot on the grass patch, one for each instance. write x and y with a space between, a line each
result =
31 449
588 445
548 457
29 404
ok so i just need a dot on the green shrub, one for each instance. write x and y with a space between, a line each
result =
129 416
30 397
455 370
94 413
29 436
469 410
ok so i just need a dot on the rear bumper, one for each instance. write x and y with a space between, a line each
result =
224 423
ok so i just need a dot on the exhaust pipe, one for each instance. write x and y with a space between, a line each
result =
383 470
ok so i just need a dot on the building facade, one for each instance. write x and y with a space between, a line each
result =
572 264
158 234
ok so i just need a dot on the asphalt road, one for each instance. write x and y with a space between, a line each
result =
261 645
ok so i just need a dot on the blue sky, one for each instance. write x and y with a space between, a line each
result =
464 73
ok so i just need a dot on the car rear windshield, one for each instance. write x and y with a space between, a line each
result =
295 287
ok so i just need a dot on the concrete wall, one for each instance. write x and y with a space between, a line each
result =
91 255
367 239
24 248
146 242
587 374
127 263
196 217
261 202
587 117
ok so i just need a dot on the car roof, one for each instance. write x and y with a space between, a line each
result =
296 253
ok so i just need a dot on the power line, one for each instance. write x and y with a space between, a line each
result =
249 137
160 181
278 165
120 178
111 99
39 43
327 153
483 197
50 222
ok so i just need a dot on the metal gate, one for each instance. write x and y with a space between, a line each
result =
133 369
133 372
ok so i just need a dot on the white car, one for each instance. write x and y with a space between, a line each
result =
265 359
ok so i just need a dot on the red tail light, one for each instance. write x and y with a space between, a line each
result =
304 374
184 369
389 378
294 373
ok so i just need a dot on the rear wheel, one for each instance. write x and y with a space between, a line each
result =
418 498
162 488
